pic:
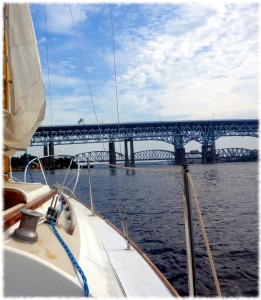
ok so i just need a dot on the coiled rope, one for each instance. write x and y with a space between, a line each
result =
205 237
68 251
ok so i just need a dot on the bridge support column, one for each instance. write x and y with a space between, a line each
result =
45 150
132 152
112 154
45 153
209 154
204 154
213 153
127 163
51 152
180 156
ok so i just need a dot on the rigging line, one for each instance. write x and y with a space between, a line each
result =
27 161
48 69
85 73
115 71
148 169
115 75
125 227
212 266
139 169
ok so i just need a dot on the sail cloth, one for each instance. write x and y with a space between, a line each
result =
27 100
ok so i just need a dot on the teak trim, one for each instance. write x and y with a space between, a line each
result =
13 217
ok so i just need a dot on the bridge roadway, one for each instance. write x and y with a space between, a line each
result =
177 133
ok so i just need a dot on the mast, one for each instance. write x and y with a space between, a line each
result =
6 98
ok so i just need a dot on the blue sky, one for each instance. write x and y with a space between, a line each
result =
173 61
190 61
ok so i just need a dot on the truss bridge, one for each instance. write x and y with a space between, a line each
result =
236 153
165 155
177 133
99 156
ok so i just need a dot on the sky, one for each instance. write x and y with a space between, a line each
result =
191 61
173 61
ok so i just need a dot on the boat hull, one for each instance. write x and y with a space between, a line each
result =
98 247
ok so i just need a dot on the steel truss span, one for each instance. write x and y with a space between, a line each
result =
177 133
100 156
103 156
235 152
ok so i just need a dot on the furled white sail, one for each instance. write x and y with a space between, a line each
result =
27 99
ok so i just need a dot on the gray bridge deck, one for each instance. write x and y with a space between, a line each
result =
177 133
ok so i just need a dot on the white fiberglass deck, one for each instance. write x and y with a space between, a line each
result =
110 269
134 274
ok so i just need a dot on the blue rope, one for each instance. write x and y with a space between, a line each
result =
27 161
85 285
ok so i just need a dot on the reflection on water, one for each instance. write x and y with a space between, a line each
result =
211 175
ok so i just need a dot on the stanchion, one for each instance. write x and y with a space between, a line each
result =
90 186
189 233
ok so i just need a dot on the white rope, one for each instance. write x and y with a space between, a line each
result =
205 238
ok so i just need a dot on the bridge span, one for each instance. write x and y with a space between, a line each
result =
177 133
165 155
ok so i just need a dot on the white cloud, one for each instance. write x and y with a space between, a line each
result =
199 56
59 17
180 61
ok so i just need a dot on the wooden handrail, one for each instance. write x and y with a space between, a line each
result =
11 218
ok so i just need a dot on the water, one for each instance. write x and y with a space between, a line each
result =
228 198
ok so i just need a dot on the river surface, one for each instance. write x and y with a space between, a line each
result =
152 202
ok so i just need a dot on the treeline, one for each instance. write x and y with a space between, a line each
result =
243 159
19 163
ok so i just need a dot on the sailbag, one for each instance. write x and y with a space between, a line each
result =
25 104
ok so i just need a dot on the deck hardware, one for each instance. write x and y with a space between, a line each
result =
26 232
90 187
53 213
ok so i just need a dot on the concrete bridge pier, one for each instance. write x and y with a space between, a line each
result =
209 153
45 153
127 162
180 156
112 154
213 153
132 152
204 149
45 150
51 152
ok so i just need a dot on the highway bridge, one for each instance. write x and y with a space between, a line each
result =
177 133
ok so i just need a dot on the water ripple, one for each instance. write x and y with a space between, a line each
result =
228 200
